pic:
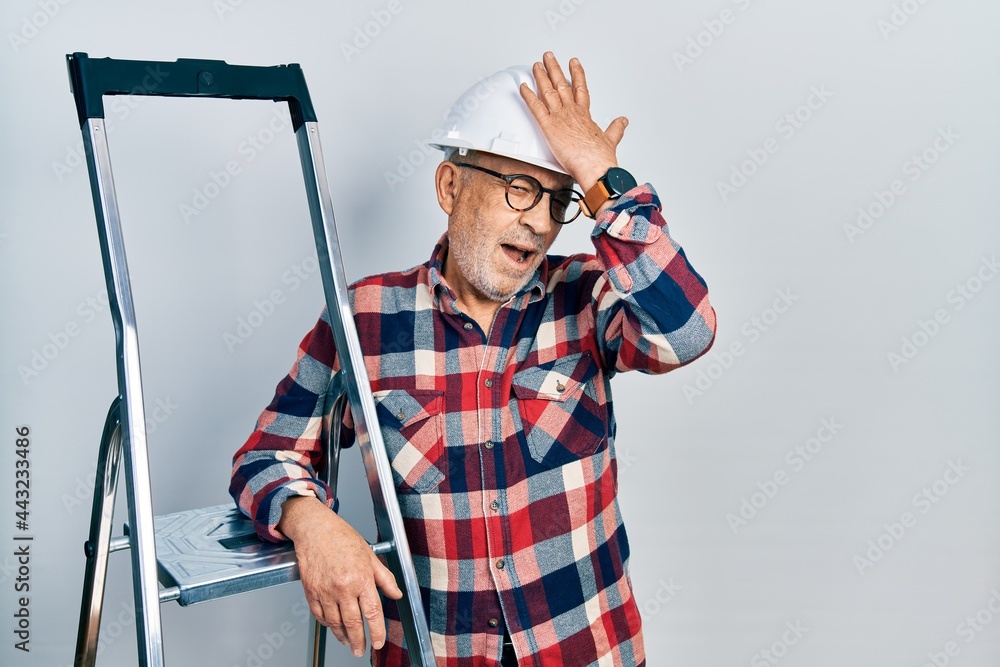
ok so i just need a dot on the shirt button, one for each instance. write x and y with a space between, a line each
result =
500 564
488 382
494 506
400 416
488 444
494 622
468 326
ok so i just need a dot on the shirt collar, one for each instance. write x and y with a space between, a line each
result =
535 288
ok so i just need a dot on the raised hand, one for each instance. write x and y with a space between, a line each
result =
562 110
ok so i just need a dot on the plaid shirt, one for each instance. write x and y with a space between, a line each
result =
501 441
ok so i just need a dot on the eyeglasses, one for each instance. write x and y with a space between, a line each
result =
524 192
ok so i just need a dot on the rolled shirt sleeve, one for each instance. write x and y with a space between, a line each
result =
280 457
651 307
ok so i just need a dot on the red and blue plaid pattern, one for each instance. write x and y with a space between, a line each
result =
501 441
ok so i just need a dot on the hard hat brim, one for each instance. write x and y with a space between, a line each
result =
538 162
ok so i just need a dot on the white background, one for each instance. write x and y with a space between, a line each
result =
712 591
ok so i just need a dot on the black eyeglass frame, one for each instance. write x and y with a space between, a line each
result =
510 178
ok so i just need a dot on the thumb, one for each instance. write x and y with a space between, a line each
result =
385 580
616 130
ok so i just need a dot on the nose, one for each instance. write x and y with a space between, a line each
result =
539 217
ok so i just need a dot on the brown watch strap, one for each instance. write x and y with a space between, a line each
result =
595 197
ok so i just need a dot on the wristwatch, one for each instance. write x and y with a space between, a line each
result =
614 183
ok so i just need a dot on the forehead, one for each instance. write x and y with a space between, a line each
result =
505 165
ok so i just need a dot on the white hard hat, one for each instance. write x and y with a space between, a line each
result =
492 117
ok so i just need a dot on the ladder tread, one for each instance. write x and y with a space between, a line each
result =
213 552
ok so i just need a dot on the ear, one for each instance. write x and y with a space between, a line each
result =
447 183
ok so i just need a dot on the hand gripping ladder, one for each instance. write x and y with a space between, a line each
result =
209 553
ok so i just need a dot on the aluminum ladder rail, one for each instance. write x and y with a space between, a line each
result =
124 437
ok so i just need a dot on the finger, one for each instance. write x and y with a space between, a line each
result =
616 130
557 77
535 105
580 91
316 609
330 617
354 625
385 580
546 91
371 608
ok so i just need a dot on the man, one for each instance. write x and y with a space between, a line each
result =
490 367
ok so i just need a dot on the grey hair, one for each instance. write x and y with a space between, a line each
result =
451 155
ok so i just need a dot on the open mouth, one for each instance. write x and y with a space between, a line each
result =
517 254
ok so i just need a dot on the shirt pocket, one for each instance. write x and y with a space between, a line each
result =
411 424
557 403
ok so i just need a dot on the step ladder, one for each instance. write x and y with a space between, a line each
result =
209 553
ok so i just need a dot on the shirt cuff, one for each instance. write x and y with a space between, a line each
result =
269 512
630 218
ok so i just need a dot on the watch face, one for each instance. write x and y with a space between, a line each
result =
620 181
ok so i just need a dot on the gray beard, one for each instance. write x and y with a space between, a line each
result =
472 254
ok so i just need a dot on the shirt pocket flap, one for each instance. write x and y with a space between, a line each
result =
400 408
410 421
556 380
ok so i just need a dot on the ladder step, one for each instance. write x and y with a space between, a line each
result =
213 552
